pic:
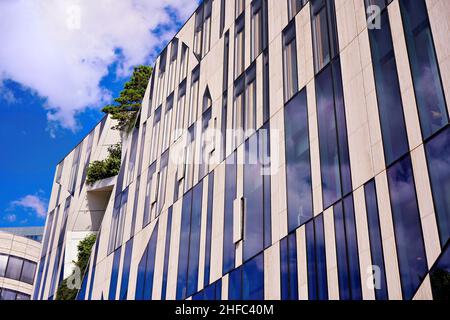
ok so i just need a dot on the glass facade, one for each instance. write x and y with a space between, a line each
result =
16 268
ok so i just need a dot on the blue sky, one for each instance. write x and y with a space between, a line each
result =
51 97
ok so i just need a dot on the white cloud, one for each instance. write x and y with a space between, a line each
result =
10 217
61 49
32 202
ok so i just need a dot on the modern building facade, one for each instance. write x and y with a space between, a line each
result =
284 150
18 261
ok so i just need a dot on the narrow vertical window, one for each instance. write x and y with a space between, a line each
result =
240 7
325 41
257 215
294 7
238 111
230 194
162 181
146 269
223 126
114 275
226 59
198 32
180 110
334 154
253 279
148 189
258 41
298 163
204 152
167 130
74 170
424 67
288 268
209 219
266 87
166 254
239 47
192 115
189 158
207 26
438 156
250 104
390 105
126 270
173 64
376 243
222 16
290 62
155 134
316 260
184 62
349 274
133 151
407 225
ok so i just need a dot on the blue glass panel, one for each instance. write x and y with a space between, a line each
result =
311 261
253 279
194 240
253 194
166 253
376 246
209 227
150 264
328 138
425 71
321 261
388 92
38 278
82 293
438 155
352 249
94 262
408 231
288 264
126 270
298 166
219 290
235 284
183 257
114 275
341 252
230 195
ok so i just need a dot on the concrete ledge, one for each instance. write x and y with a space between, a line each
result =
102 185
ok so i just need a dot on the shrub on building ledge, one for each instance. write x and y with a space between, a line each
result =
99 170
84 253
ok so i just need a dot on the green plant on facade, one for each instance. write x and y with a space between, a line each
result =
83 256
129 102
99 170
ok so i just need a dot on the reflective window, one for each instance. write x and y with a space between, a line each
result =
3 263
114 275
253 279
28 271
192 115
149 203
180 110
164 162
209 219
316 260
74 170
240 7
126 270
222 15
133 150
438 155
290 62
14 268
325 40
257 214
376 244
298 167
187 282
146 269
407 225
258 41
167 129
239 47
154 149
288 267
349 274
388 92
425 70
334 155
230 194
211 292
166 253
